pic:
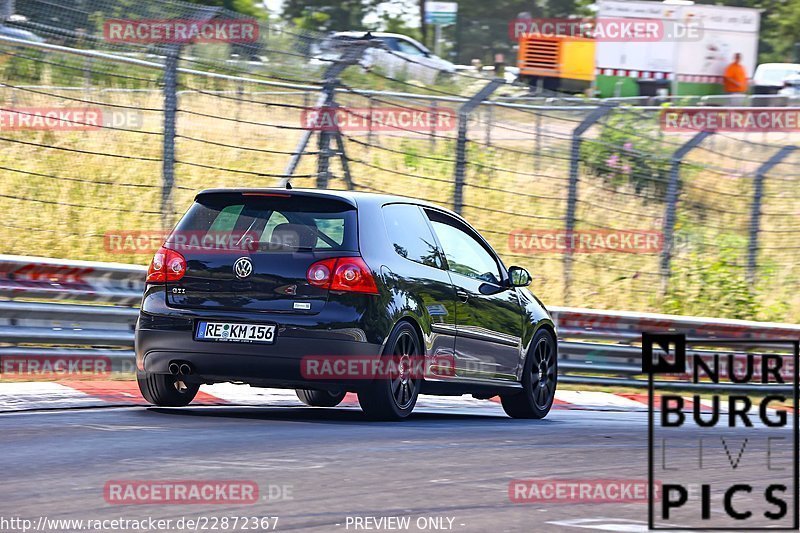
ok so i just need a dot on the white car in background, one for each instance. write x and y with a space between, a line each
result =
769 77
399 57
791 87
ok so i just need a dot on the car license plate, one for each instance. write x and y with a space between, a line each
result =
233 332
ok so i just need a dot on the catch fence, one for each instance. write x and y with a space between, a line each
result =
602 205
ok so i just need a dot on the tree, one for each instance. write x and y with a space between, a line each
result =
324 15
396 16
251 8
483 26
780 33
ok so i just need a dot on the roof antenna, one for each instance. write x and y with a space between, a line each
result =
288 186
367 36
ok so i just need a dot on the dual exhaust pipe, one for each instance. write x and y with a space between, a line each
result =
179 369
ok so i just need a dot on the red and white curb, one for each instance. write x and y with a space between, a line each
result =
20 396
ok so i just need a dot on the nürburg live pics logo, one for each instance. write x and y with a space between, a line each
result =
722 433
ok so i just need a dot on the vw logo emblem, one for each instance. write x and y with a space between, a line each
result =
243 267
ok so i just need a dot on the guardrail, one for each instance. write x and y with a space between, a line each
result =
59 308
94 317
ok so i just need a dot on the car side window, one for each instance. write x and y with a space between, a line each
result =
465 255
409 48
390 43
410 234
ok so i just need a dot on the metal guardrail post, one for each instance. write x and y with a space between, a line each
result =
672 201
170 116
755 213
572 194
461 145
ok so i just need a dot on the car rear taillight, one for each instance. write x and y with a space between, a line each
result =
349 274
167 265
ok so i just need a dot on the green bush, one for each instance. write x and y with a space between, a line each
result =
708 284
628 150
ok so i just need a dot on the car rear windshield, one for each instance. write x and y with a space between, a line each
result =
275 224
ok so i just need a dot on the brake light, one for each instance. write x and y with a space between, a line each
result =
167 265
348 274
319 274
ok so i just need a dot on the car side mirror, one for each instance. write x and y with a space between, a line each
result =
519 277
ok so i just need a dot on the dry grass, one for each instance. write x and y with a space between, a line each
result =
510 186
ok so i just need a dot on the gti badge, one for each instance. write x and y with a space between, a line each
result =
243 267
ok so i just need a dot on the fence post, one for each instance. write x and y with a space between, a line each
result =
170 112
434 110
88 64
371 104
572 191
536 161
672 201
461 144
489 116
755 214
239 97
324 140
173 54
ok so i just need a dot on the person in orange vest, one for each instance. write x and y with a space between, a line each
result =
734 81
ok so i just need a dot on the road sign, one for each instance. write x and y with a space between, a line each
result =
441 13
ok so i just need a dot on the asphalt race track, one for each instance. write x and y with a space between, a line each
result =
319 469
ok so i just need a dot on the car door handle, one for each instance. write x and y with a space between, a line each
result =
462 295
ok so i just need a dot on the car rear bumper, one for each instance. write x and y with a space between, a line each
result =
277 364
165 334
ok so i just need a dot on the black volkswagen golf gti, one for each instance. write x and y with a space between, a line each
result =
329 292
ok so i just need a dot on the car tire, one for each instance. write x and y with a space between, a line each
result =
539 380
390 398
320 398
162 390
